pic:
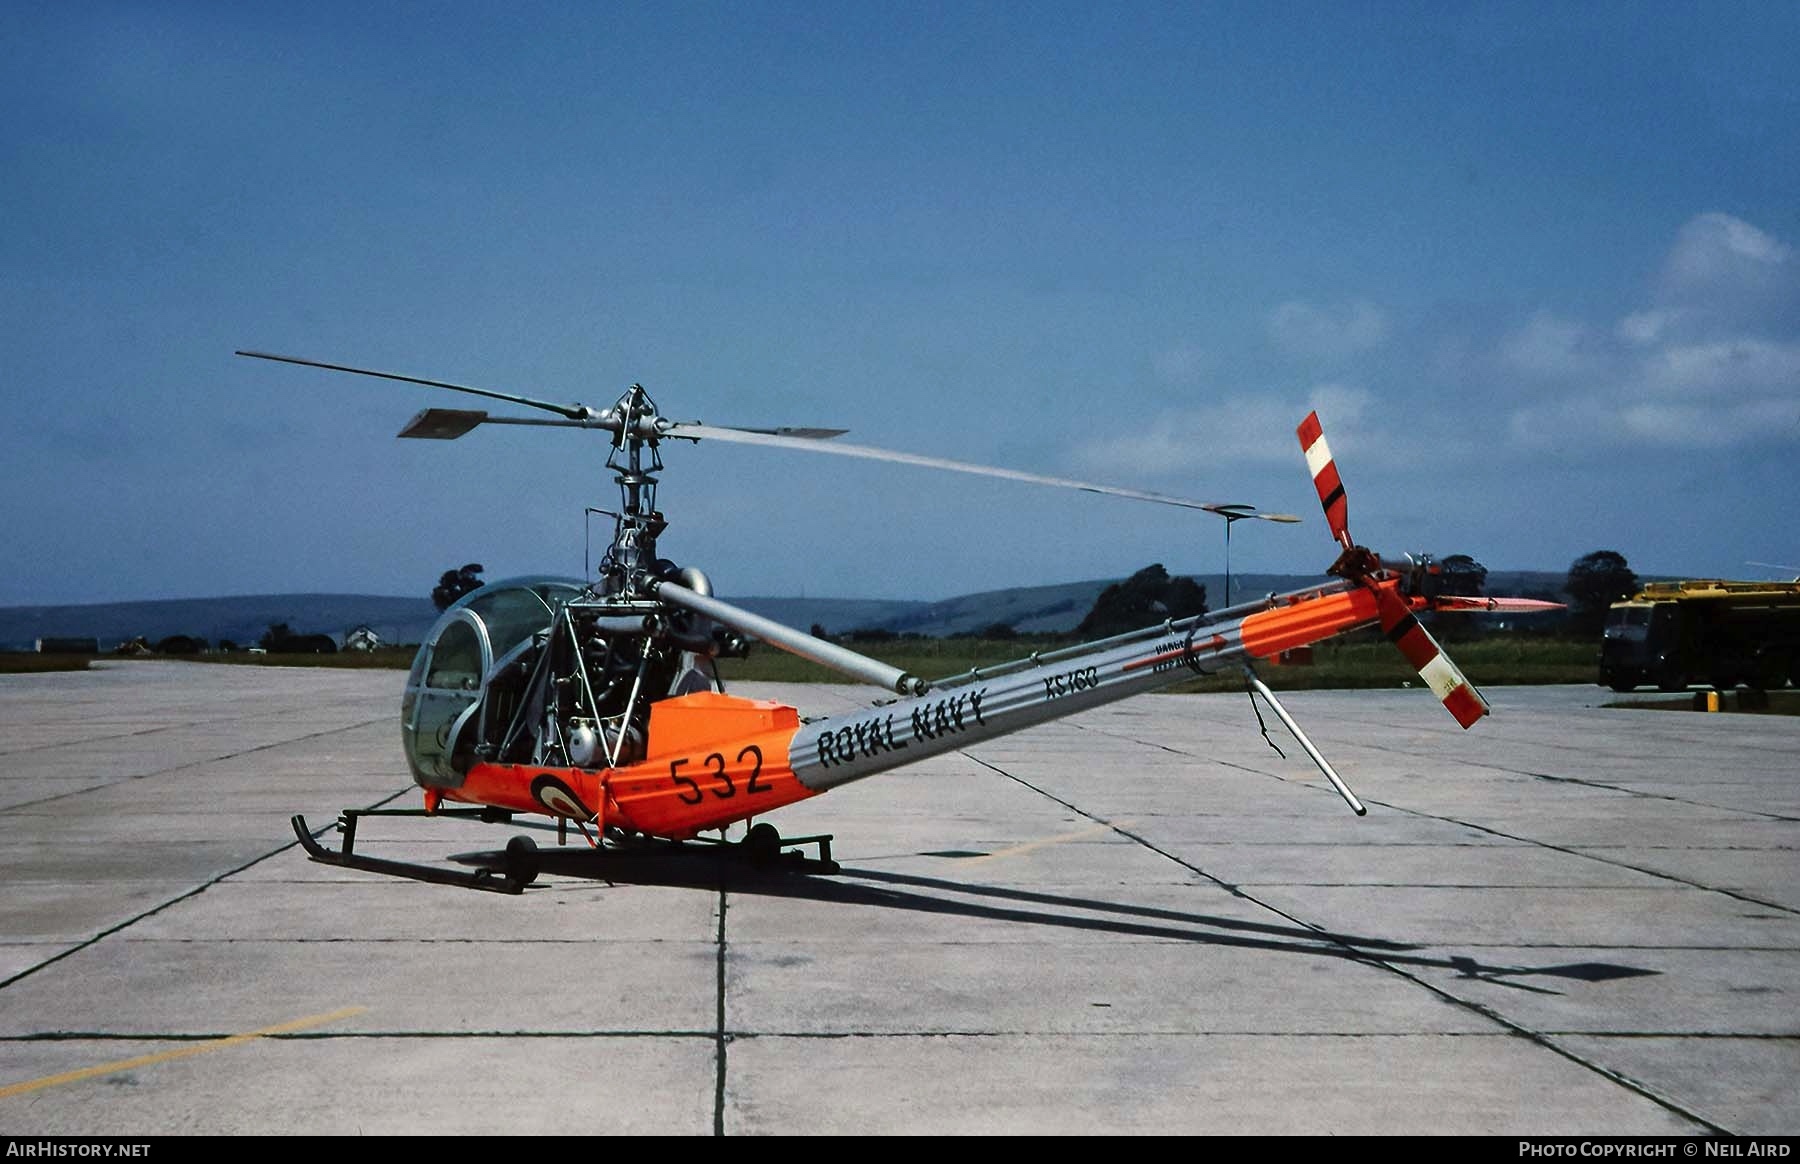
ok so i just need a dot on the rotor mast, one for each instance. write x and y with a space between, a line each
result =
630 568
630 562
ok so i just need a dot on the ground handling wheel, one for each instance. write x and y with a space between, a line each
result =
522 862
762 845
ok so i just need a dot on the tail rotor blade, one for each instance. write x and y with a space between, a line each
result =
1445 679
1325 478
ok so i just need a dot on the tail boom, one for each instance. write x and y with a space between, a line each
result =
1305 619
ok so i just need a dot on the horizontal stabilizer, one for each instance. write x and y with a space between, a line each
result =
1522 605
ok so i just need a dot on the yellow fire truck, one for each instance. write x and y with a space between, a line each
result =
1672 634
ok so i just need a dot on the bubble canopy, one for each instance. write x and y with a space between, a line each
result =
473 633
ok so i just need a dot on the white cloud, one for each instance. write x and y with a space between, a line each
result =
1343 407
1713 363
1715 426
1331 332
1246 429
1727 276
1726 368
1714 248
1574 425
1551 349
1181 365
1646 327
1581 427
1708 359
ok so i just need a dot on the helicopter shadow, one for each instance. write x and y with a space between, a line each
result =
719 870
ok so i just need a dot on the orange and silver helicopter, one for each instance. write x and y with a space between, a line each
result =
597 702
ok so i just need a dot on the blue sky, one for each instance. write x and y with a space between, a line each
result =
1535 264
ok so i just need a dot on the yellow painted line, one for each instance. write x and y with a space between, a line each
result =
181 1053
1030 845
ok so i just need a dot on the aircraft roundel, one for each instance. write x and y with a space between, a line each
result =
558 798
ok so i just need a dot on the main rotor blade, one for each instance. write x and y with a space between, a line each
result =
750 437
446 424
811 434
572 411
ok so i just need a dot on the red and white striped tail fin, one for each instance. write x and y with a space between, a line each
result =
1325 478
1446 681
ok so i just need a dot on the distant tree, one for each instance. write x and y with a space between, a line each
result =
1145 598
818 631
1461 575
456 583
1595 582
280 639
999 630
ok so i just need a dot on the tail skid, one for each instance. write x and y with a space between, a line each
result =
1318 757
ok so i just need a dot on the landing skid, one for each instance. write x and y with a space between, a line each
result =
511 869
762 849
699 861
515 872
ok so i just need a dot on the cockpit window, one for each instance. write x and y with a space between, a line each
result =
513 614
456 659
1628 616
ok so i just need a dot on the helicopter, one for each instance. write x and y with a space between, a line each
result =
597 702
